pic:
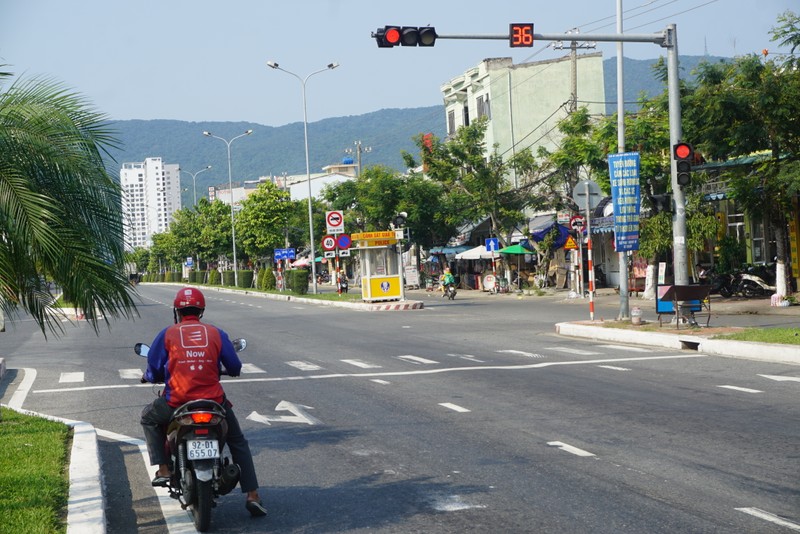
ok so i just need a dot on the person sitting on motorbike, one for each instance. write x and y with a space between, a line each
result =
186 379
447 279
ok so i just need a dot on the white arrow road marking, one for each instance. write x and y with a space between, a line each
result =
782 378
569 448
299 411
570 350
614 367
249 368
77 376
737 388
454 407
129 374
363 365
624 347
772 518
416 359
304 366
521 353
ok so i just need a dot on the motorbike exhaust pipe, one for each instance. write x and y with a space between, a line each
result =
228 478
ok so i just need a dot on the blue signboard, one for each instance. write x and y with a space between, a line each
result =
290 253
280 254
623 169
492 244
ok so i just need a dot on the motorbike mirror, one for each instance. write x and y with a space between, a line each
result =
240 344
141 349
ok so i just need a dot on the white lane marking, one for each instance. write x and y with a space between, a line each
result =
782 378
737 388
178 521
569 448
521 353
77 376
454 407
468 357
382 382
130 374
361 364
420 372
570 350
416 359
625 347
304 366
772 518
250 368
452 503
22 390
404 326
614 367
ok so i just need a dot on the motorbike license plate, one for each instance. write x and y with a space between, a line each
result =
202 449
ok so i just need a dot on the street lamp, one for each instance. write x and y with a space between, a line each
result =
230 186
331 66
194 184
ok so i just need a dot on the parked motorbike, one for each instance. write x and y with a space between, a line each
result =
450 291
195 439
724 284
752 284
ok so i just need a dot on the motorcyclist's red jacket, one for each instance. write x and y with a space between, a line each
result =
187 357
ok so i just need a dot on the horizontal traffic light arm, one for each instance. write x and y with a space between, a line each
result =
657 38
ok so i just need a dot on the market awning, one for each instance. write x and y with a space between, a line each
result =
448 250
516 249
477 253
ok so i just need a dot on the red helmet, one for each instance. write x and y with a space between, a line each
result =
189 297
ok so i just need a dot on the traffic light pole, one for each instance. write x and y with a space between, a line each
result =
667 39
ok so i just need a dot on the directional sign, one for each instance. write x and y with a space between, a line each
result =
343 241
328 242
492 244
290 253
279 254
335 222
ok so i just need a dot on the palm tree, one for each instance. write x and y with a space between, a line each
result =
60 215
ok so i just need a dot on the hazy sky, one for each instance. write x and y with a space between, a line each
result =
202 60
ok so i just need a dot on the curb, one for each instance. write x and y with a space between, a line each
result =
86 503
767 352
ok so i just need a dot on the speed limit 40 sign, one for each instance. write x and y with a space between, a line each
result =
328 242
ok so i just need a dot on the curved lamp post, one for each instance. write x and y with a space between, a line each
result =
331 66
230 186
194 184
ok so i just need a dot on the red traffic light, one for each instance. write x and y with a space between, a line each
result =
683 151
391 34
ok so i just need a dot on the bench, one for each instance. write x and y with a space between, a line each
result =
683 302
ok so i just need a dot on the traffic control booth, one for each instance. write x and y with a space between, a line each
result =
381 269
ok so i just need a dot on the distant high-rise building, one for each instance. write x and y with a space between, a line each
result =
151 193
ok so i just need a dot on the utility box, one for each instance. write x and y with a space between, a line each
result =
381 272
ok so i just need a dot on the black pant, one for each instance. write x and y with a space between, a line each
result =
155 418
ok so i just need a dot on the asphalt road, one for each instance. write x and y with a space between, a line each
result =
467 416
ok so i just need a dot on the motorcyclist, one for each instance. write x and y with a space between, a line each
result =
447 279
189 378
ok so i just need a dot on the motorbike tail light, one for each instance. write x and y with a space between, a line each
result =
203 417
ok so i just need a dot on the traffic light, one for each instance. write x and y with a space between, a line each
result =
390 36
684 155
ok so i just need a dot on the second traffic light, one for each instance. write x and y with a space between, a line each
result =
684 157
390 36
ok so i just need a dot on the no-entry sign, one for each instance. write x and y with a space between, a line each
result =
334 221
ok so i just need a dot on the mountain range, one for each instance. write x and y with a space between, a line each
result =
270 150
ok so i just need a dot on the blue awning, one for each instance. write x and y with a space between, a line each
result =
449 250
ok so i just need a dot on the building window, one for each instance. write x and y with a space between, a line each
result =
466 115
484 110
451 122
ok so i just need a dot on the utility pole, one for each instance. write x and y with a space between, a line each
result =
358 150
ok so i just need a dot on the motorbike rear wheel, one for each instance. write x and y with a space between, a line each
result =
725 291
204 501
751 289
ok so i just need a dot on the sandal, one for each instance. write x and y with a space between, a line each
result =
160 481
255 508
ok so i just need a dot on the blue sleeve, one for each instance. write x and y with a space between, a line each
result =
227 356
157 360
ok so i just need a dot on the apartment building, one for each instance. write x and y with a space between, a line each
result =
151 193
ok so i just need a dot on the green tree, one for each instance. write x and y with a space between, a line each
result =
60 213
262 224
214 222
185 228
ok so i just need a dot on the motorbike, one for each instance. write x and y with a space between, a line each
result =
724 284
450 291
195 440
751 284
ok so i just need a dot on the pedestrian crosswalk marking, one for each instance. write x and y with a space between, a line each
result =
77 376
521 353
304 366
251 368
416 359
361 364
130 374
572 350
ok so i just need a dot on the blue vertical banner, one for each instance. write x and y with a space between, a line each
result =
623 170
